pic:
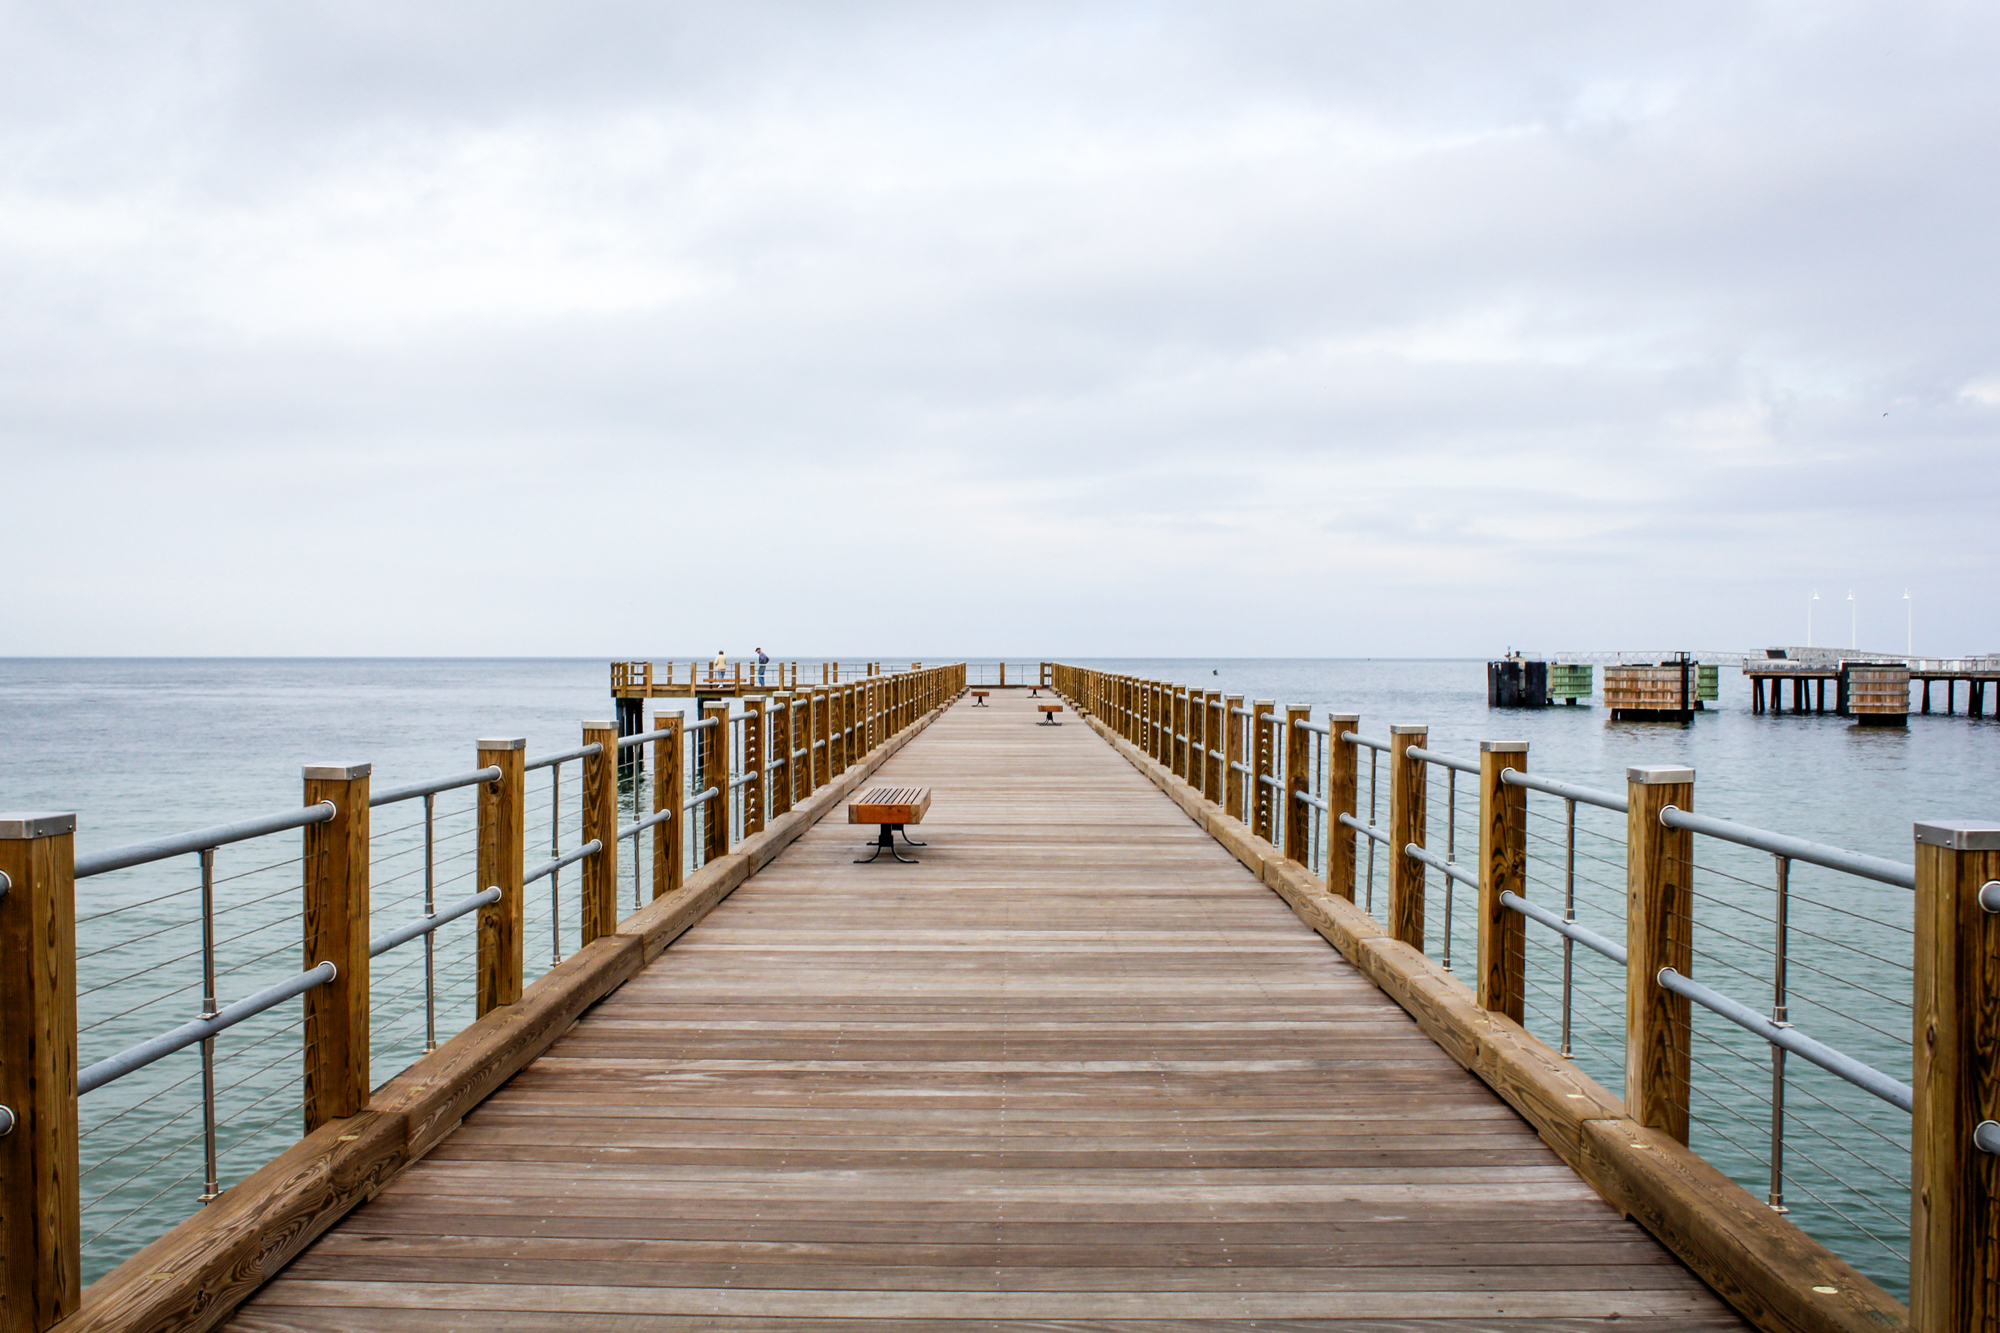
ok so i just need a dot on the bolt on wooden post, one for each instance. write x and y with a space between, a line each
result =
41 1210
1659 920
502 816
1407 809
336 931
600 821
668 792
1343 788
1297 817
1955 1184
753 766
1503 868
1263 737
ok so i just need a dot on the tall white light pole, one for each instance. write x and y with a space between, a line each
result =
1910 609
1854 611
1809 601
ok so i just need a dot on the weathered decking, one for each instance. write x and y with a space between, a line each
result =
1077 1069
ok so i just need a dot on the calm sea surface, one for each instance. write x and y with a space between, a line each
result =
139 748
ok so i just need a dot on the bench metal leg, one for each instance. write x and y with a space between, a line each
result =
887 839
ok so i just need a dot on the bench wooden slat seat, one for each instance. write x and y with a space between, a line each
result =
1048 712
891 807
979 698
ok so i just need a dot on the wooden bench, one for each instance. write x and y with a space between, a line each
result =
890 807
979 698
1048 712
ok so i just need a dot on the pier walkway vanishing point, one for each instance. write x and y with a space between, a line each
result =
1078 1068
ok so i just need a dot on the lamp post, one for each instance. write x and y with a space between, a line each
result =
1854 612
1910 611
1809 601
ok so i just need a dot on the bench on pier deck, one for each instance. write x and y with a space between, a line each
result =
891 808
979 698
1048 712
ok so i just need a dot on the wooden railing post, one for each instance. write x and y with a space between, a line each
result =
1232 749
1503 868
1658 920
502 814
1197 731
336 931
668 792
1263 740
753 765
1406 825
714 772
821 763
1343 790
599 914
1211 742
781 754
1955 1215
1297 820
41 1221
1182 729
842 722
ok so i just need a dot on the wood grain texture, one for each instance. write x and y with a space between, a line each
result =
599 913
1297 816
502 815
1955 1219
1077 1069
40 1218
1343 787
1658 933
669 787
1408 787
1503 868
1232 780
336 931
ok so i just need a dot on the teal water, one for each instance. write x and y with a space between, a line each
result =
138 748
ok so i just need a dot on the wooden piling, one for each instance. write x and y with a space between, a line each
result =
1407 796
336 931
1955 1186
1503 868
1659 918
502 816
1297 817
599 913
41 1223
669 856
1343 789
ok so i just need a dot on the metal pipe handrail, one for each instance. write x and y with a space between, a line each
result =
1449 869
705 722
1352 739
434 786
657 817
1583 935
1838 1063
1312 800
1877 868
1303 725
1441 760
695 800
1241 767
201 1029
1269 781
742 780
641 737
201 840
547 868
1569 791
1368 830
381 944
581 752
1241 712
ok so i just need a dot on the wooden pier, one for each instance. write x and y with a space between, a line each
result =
1079 1068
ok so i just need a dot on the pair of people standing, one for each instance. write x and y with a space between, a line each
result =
721 660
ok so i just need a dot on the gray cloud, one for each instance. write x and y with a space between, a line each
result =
1122 328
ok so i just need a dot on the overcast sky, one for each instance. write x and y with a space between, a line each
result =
1080 329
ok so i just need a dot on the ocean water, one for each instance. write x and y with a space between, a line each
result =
139 748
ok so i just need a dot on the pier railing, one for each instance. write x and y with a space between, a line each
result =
1745 991
305 975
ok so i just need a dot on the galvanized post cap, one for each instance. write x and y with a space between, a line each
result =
1343 717
19 826
1503 747
1659 775
597 726
1960 835
336 772
1419 730
504 743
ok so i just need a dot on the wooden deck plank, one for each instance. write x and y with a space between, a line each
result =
1076 1069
